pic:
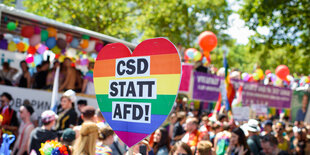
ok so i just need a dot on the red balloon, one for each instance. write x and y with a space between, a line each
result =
69 37
27 31
207 41
282 72
32 50
267 72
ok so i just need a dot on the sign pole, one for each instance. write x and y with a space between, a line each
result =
130 151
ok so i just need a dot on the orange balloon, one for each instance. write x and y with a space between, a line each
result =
20 47
52 32
207 41
84 43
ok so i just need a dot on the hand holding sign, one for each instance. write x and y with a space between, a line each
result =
136 92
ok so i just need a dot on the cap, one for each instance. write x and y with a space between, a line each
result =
71 94
68 135
268 122
48 116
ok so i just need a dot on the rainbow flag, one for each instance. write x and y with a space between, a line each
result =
165 68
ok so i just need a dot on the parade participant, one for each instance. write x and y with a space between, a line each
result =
180 148
25 78
67 138
88 81
221 141
283 143
204 147
41 76
86 143
267 125
270 145
87 115
70 76
7 72
10 122
178 130
41 134
161 142
105 140
238 143
301 113
25 128
253 140
192 134
67 115
81 104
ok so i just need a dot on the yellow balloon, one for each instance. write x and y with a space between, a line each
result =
12 46
61 58
56 50
260 73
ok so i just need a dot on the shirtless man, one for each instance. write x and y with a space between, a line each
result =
70 76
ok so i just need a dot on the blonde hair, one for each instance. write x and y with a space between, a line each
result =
86 143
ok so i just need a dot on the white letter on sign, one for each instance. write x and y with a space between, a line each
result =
132 67
134 89
131 112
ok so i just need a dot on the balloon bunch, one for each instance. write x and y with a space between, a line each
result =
207 41
53 148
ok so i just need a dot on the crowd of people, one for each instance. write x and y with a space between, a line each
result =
186 131
43 78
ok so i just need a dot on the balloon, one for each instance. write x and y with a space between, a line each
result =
61 58
69 37
61 43
255 76
27 31
282 72
251 79
267 72
44 35
86 37
245 76
12 46
71 52
11 26
84 43
16 40
20 47
29 58
42 48
75 43
31 50
3 44
52 32
61 36
197 56
51 42
84 62
35 40
91 46
260 73
37 30
8 37
98 46
207 41
56 50
204 60
190 53
38 59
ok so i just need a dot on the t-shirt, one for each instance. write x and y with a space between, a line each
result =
177 130
40 80
254 144
102 149
38 136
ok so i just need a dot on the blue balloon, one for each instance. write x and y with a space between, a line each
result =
38 59
51 42
190 54
75 43
16 40
3 44
204 60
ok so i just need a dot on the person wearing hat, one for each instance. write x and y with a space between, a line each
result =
25 128
67 138
67 115
253 130
41 134
267 125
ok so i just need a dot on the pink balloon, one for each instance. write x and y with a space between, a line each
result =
37 30
29 58
42 49
98 46
84 62
35 39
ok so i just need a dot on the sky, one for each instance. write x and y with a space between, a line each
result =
237 29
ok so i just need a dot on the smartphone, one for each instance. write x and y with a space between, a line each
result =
142 149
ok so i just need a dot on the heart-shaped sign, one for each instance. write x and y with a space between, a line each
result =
136 91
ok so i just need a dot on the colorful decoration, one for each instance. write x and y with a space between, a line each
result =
189 53
44 35
3 44
282 72
11 26
61 43
52 32
98 46
151 80
91 46
75 43
27 31
35 40
69 38
51 42
32 50
197 56
12 46
29 58
37 30
21 47
84 44
86 37
53 148
42 48
207 41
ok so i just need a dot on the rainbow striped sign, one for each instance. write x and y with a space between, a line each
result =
136 91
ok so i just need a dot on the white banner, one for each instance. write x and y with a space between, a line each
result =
14 58
39 99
